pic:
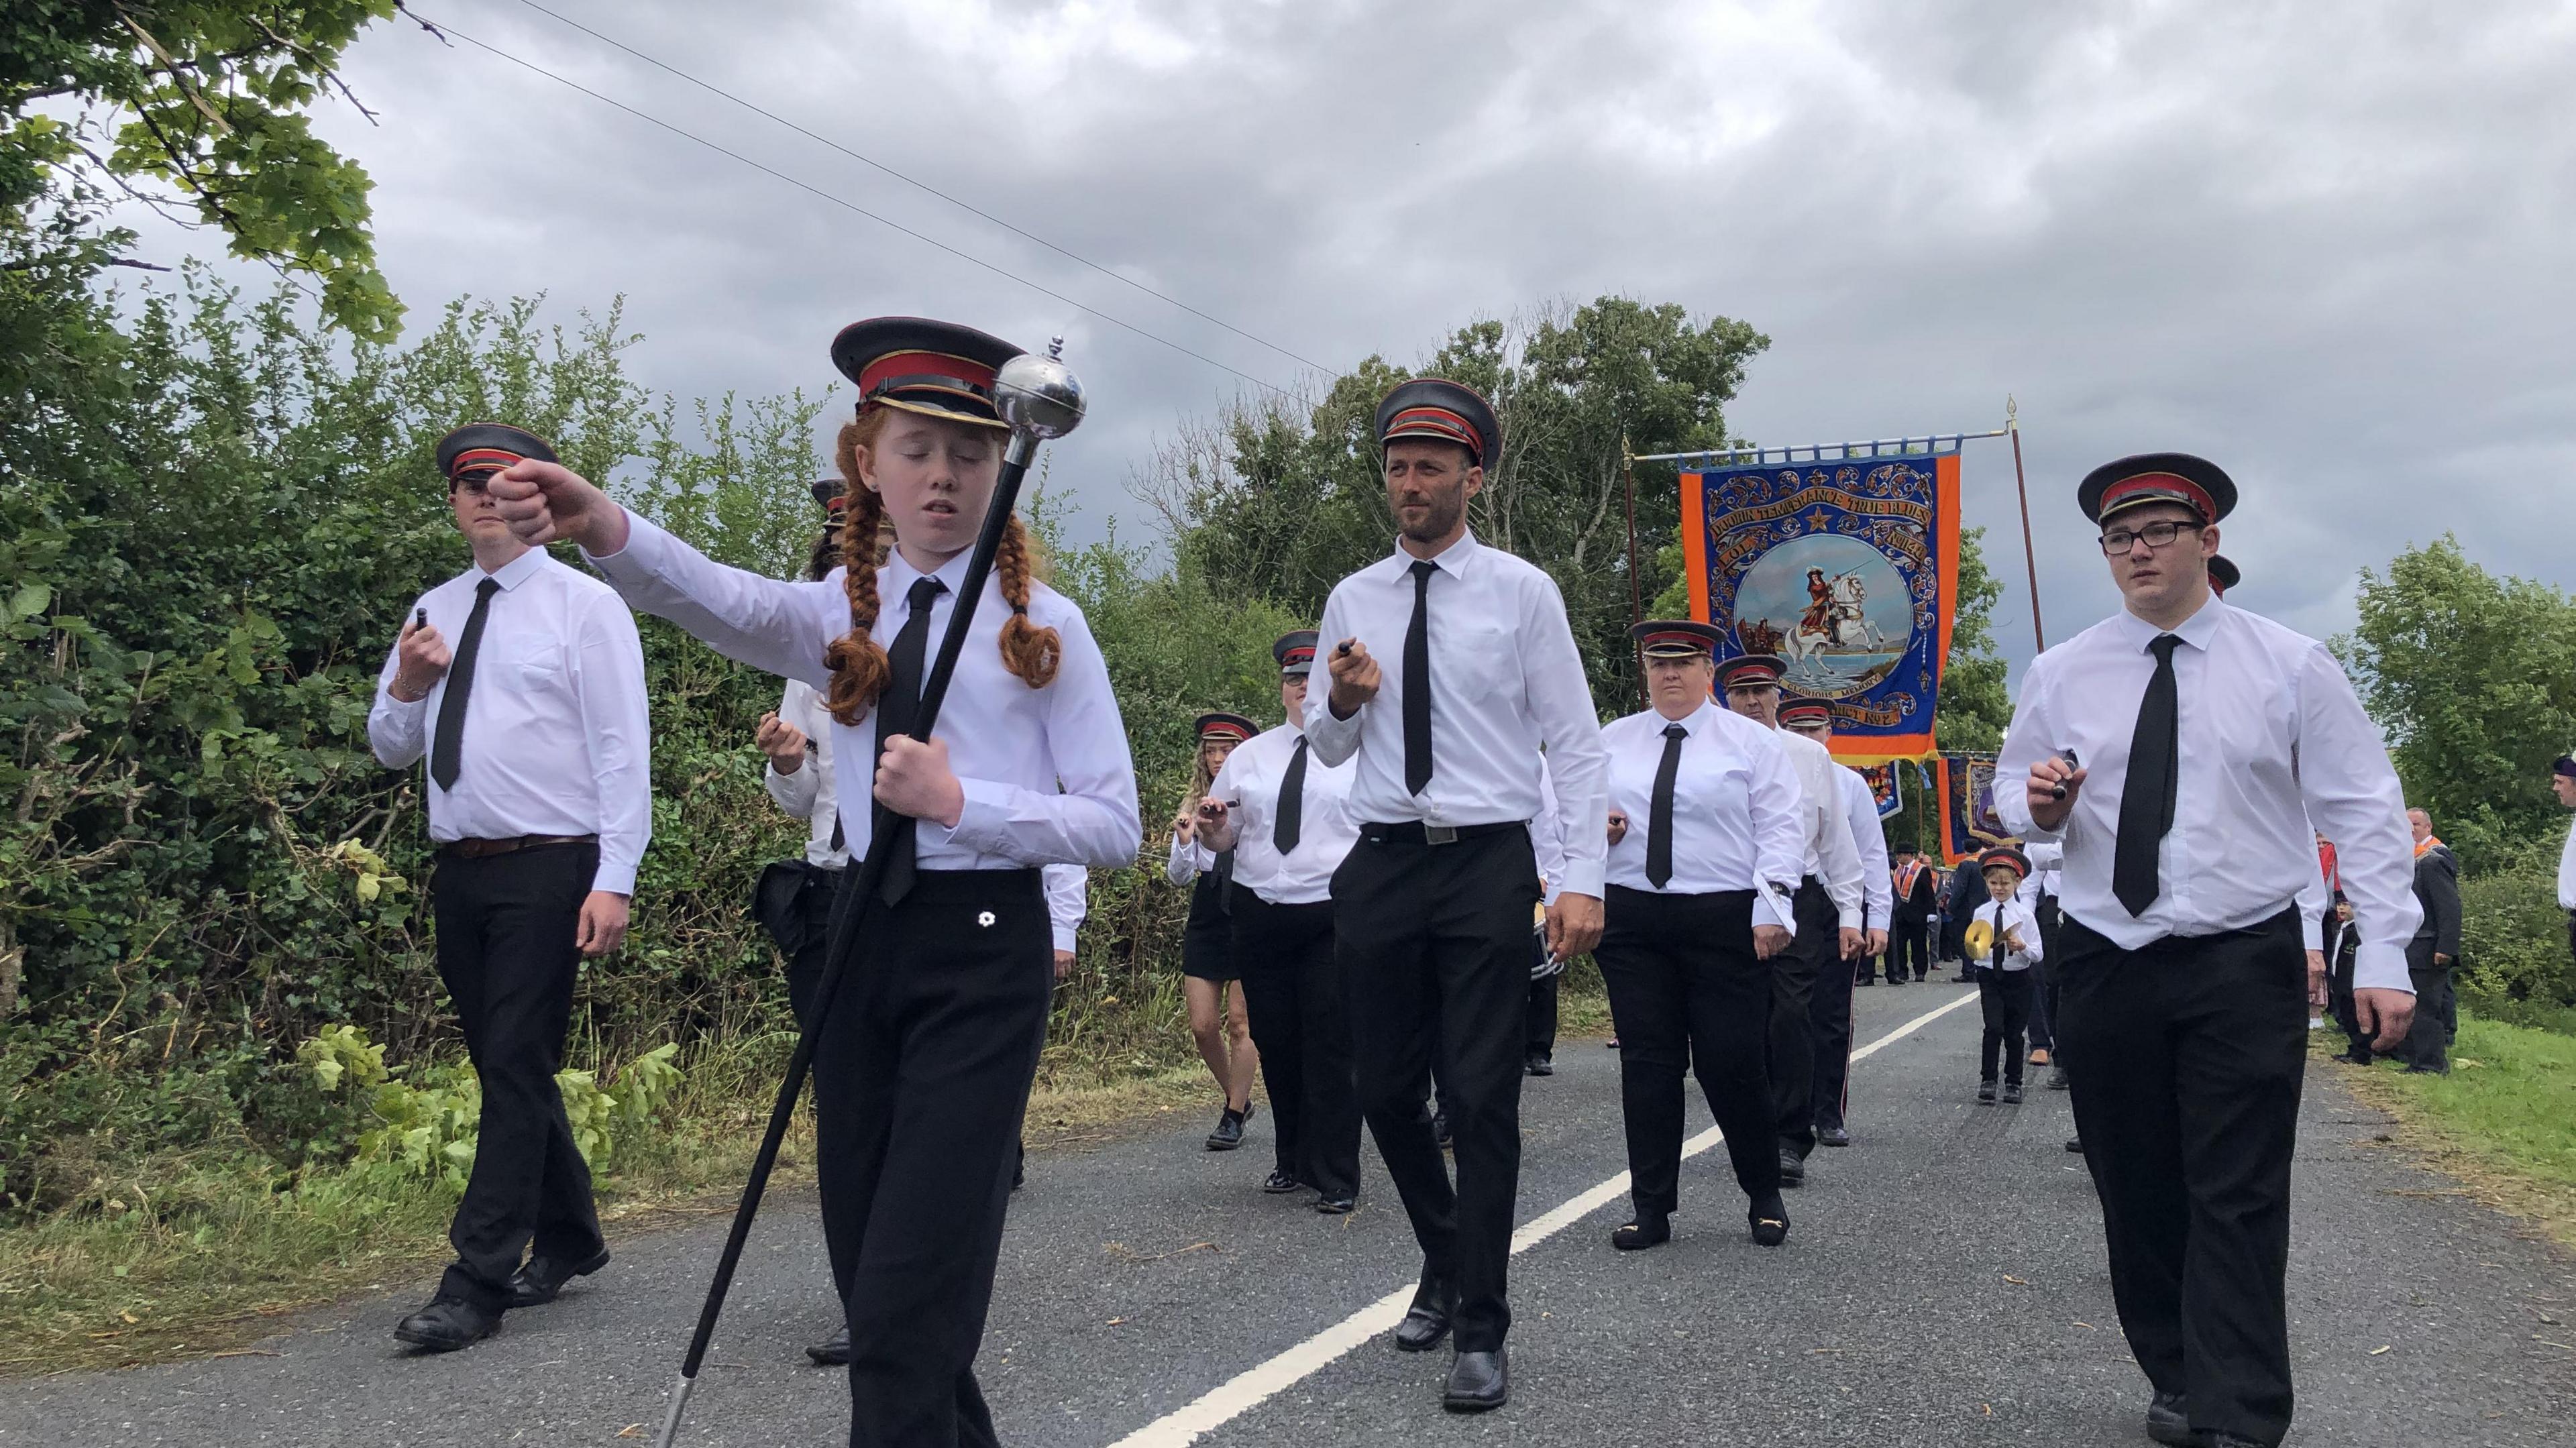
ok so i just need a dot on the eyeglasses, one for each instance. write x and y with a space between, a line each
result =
2158 534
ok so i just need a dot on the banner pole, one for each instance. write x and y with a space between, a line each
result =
2029 556
1636 590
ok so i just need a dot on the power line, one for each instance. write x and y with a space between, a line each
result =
443 30
924 186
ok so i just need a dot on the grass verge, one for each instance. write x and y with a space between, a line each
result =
2503 1122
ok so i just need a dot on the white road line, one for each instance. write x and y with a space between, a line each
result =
1248 1390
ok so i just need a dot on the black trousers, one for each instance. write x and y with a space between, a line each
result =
1300 1019
2428 1040
1829 1017
1440 934
506 926
1909 947
2004 998
1538 1035
1687 992
2186 1058
922 1069
805 967
1814 955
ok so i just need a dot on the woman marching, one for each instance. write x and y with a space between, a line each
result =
1210 985
925 1057
1705 851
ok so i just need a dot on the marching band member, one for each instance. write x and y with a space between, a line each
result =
924 1062
1211 985
1829 1010
2011 936
1431 912
1285 816
1707 846
540 803
2180 750
1829 906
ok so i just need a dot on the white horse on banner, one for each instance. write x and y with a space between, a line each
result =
1847 627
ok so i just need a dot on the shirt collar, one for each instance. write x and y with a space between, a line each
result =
2136 633
900 574
1453 560
517 571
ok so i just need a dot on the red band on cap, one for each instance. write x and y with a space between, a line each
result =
924 364
1677 636
1304 654
1751 674
2155 487
1437 422
476 458
1224 731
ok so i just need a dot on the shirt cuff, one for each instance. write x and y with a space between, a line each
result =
2312 931
1850 919
1065 937
982 824
2381 966
1582 877
1766 913
617 877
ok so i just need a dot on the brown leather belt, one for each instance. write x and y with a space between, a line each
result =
477 849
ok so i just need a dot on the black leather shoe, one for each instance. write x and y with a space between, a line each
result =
1427 1320
1539 1064
2057 1078
447 1324
1793 1168
1832 1136
1771 1228
1336 1206
1440 1129
2075 1144
1479 1382
1281 1183
535 1284
2169 1421
2012 1093
1642 1233
1985 1093
1229 1131
831 1352
1866 980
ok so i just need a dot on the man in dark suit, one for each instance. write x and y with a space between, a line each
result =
2436 946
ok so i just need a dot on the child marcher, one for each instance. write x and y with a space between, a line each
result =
2004 949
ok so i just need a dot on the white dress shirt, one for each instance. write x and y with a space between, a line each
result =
808 793
2567 870
2047 873
2016 916
1249 783
1505 680
1189 859
557 739
1738 810
1068 892
1869 838
1547 839
1831 853
2270 737
1009 745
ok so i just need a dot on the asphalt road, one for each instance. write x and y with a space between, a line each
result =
1943 1285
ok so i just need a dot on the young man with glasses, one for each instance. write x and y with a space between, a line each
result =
2179 750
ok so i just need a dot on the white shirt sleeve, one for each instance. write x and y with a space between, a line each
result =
778 626
1327 738
1779 832
1547 840
1068 899
608 665
2313 902
2031 737
1839 857
2352 795
1092 819
1860 811
1183 866
795 792
1559 697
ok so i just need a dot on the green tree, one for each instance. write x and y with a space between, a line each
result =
207 100
1282 498
2473 679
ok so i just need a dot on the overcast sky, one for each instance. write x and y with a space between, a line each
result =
2327 245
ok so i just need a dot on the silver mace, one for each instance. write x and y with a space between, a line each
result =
1040 398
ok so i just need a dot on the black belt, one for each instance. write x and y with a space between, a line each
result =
1416 832
478 849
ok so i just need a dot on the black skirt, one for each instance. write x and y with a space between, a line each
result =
1207 942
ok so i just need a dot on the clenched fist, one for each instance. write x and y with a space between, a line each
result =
913 778
1355 677
783 742
1618 825
548 502
420 661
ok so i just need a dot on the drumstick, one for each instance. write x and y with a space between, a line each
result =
420 618
2058 790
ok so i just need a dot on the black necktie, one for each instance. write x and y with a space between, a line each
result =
1417 683
1292 801
1659 815
1224 873
2147 794
1998 957
447 749
895 710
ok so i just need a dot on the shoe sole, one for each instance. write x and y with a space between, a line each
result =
1337 1208
2176 1436
828 1359
1402 1346
414 1339
1473 1405
585 1269
1218 1144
